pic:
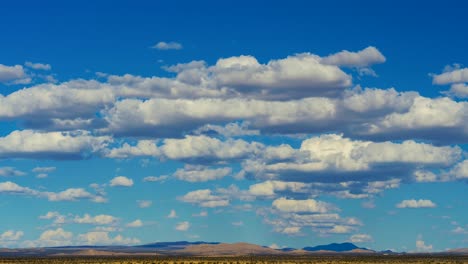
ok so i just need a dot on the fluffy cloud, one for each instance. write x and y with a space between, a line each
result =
460 171
229 130
334 154
269 188
301 206
161 117
71 194
362 58
58 218
43 169
12 74
182 226
205 198
74 194
51 145
292 223
144 203
10 171
299 76
172 214
142 148
95 220
453 76
459 90
155 178
201 173
38 66
422 247
121 181
46 104
167 46
10 236
103 238
57 237
60 237
421 203
290 230
189 149
438 119
360 238
134 224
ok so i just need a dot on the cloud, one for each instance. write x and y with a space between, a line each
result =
43 169
135 224
292 223
71 194
172 214
10 171
426 118
201 173
167 46
229 130
320 157
290 230
101 219
51 238
103 238
38 66
74 194
301 75
421 203
42 172
121 181
13 74
86 219
10 237
144 203
60 237
238 223
196 149
460 230
155 178
269 188
142 148
51 145
422 247
301 206
360 238
459 90
369 113
205 198
160 117
58 218
459 171
453 76
201 214
182 226
362 58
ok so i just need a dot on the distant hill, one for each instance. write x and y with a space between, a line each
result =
463 251
336 247
174 245
236 249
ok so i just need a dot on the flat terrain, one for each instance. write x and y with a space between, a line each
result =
243 260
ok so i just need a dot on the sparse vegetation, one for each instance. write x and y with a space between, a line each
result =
343 259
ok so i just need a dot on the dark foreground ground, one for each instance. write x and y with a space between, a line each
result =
244 260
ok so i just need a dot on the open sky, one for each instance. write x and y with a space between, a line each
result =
282 123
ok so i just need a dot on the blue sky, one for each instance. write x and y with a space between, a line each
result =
286 124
